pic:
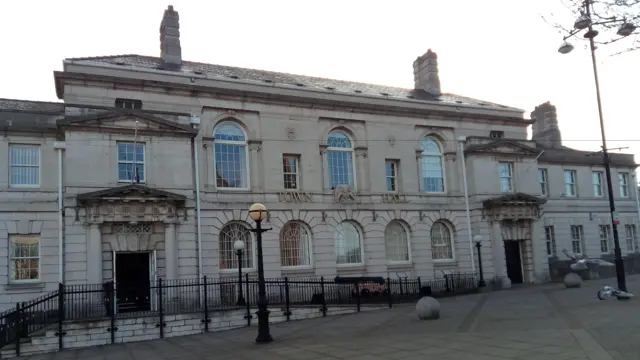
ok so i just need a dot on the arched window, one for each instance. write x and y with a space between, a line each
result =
397 241
228 236
348 244
230 157
432 166
295 245
340 159
441 241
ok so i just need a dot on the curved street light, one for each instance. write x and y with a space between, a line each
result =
585 22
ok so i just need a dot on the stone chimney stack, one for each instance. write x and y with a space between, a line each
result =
425 73
170 50
545 129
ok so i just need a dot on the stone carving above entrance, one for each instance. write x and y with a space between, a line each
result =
512 207
515 229
344 194
131 203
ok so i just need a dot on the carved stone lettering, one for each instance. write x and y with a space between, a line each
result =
295 197
394 198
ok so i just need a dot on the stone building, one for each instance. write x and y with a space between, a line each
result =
156 161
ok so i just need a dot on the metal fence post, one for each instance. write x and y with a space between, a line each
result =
248 316
324 300
18 327
112 313
287 299
419 288
358 296
389 294
206 319
60 333
161 324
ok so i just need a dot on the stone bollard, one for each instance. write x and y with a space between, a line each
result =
428 308
572 280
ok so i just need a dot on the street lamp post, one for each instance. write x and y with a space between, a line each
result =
478 240
238 245
258 212
584 22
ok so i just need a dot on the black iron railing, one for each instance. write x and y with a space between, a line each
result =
207 296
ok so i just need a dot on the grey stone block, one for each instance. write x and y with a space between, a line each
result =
572 280
428 308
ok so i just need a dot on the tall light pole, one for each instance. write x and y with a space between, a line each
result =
258 212
461 141
585 22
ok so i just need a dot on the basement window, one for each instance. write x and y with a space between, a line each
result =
128 103
496 134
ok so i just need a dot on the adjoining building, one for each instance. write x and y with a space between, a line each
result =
158 159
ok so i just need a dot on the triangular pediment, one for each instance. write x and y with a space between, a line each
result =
131 192
127 120
514 199
506 147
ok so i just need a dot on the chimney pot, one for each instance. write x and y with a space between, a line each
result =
425 73
545 129
170 50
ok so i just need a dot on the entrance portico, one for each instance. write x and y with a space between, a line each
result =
131 219
514 239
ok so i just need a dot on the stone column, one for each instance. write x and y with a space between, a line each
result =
255 176
419 169
539 257
499 262
170 251
362 175
94 255
324 166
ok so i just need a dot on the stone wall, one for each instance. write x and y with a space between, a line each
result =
95 333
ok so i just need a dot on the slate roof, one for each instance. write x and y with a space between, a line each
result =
567 155
296 81
14 105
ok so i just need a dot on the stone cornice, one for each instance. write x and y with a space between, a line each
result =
218 89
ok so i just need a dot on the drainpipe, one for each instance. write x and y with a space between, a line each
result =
461 140
195 121
635 188
59 146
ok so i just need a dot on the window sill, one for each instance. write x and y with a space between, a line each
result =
298 271
424 193
399 265
444 261
131 182
234 272
24 285
350 268
230 190
26 188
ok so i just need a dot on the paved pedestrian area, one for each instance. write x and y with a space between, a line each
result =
537 322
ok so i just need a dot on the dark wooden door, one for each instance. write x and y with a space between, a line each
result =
132 282
514 261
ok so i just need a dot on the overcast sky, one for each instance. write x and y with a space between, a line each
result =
494 50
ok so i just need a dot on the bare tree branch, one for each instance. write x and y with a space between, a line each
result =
607 16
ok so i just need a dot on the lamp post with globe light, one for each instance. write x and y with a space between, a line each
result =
258 212
238 245
585 22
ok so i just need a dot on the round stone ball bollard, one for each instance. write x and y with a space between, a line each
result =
428 308
572 280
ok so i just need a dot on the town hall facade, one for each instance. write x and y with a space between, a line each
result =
147 168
